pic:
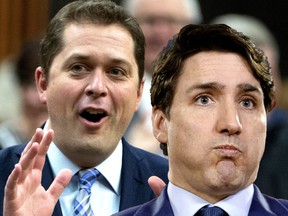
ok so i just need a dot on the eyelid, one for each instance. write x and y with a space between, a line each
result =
84 68
251 99
119 69
201 96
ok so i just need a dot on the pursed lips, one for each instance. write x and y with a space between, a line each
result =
228 150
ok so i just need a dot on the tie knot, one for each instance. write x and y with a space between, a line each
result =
211 211
88 177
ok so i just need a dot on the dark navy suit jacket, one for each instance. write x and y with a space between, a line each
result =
261 205
137 167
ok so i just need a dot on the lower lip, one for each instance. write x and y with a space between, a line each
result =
90 124
228 152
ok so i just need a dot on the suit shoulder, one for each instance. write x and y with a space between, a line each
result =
276 201
157 206
150 164
8 158
141 154
279 206
11 154
145 209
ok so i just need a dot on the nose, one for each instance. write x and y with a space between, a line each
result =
229 121
97 84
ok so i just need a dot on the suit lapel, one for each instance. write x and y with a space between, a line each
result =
262 206
131 180
259 206
47 179
162 204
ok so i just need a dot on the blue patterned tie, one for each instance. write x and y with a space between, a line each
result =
211 211
82 205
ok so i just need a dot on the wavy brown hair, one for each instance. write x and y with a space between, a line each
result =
193 39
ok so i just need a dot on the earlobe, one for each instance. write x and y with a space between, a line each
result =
41 84
159 125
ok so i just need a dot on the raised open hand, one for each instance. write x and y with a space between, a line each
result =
24 194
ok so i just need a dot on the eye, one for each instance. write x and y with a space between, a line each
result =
248 103
203 100
78 68
117 72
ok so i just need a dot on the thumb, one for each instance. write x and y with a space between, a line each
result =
156 184
59 184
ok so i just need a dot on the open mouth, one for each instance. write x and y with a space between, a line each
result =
93 115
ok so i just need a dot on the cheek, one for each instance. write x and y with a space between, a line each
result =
124 102
126 95
186 136
188 126
255 144
258 126
61 95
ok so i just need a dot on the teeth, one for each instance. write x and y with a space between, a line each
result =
94 112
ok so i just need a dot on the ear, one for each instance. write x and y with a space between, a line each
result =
159 125
41 84
139 94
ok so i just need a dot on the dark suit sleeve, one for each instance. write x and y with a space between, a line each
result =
8 158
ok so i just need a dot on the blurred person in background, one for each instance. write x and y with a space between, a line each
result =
272 177
9 90
32 113
159 21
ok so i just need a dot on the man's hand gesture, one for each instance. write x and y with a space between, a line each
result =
24 194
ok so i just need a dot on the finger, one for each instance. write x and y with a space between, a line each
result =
37 137
10 188
27 161
59 184
156 184
44 146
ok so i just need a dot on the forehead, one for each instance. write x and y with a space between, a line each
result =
112 33
227 68
110 41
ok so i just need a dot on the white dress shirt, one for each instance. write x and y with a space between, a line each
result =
105 192
186 203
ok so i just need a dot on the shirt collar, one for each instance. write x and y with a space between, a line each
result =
110 168
186 203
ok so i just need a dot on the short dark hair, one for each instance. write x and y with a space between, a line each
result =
193 39
104 12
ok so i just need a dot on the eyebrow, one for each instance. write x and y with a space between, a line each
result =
243 87
246 87
209 85
77 57
83 57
